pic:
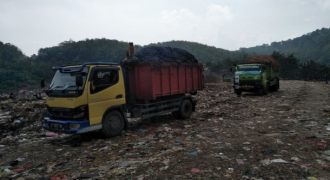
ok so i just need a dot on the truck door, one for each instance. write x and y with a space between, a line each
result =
106 89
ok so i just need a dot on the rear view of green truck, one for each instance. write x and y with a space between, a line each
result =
258 74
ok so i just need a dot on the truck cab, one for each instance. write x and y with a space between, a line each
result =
255 77
79 97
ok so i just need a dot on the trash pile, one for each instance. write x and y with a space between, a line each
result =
263 59
161 54
20 120
284 135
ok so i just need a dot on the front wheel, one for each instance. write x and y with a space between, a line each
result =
266 89
113 124
185 109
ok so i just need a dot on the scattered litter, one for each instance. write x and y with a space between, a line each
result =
223 156
295 159
51 134
104 148
230 170
247 148
240 161
195 170
311 178
265 162
327 152
194 153
278 161
187 126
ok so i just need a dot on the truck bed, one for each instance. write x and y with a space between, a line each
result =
151 80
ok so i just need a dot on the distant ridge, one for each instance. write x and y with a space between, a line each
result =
309 52
311 46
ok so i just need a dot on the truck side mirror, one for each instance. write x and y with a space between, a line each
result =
42 83
79 80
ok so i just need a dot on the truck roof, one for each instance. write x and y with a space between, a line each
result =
66 70
250 64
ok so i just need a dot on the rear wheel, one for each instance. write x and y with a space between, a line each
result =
113 124
238 92
276 86
185 109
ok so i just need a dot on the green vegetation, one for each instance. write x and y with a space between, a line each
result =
14 68
204 53
70 52
306 57
312 46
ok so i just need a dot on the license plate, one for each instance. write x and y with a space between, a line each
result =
56 126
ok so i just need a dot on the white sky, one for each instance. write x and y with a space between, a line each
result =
228 24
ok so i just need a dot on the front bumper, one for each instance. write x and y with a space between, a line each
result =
248 86
69 127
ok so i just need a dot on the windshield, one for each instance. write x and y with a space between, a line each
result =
248 68
67 81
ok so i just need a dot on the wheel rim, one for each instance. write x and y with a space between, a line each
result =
114 122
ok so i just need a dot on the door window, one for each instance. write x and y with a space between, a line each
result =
103 79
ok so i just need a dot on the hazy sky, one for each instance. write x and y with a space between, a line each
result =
227 24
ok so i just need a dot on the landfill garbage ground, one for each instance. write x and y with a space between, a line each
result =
282 135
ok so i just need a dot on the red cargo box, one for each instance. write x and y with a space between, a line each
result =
150 80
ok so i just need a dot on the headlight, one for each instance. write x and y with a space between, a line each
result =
80 112
74 126
79 115
45 124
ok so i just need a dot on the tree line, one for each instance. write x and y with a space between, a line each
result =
18 70
311 46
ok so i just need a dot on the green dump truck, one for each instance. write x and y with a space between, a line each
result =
258 74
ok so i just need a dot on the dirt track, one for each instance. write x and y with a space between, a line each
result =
282 135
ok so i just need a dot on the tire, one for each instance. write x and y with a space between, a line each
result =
276 86
113 124
185 109
266 89
238 92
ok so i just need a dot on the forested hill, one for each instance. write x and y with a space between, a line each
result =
89 50
311 46
204 53
9 52
71 52
300 57
18 70
14 68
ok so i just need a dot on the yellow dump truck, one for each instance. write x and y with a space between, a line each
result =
102 95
